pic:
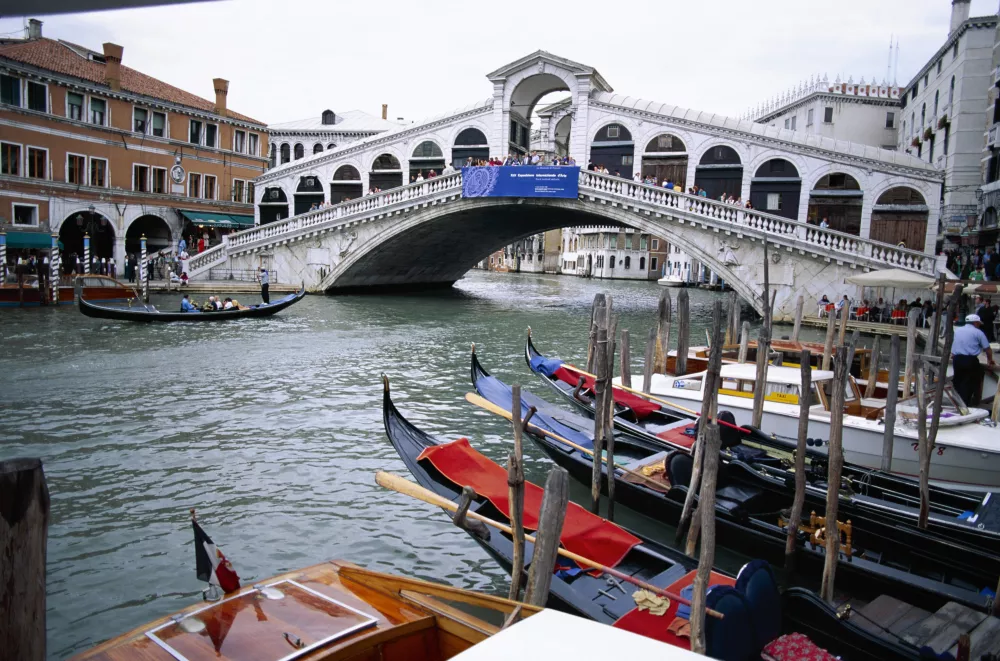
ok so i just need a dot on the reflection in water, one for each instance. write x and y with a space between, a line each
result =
273 430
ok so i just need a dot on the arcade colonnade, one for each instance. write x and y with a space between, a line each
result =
862 190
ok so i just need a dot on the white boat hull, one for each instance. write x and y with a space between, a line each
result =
670 281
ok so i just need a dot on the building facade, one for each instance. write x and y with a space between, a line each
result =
91 147
987 230
620 253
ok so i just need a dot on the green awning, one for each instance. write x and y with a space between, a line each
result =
36 240
208 219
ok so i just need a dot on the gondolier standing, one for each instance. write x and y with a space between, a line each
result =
969 341
264 296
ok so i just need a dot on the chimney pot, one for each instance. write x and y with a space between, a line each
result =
385 110
34 28
113 66
221 91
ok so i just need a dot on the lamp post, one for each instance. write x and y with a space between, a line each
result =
144 272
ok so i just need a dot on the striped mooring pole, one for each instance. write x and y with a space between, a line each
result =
86 253
144 271
54 269
3 255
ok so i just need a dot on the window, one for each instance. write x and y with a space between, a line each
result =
194 135
98 109
628 242
10 90
793 121
643 240
285 153
926 79
652 263
98 172
211 135
159 124
253 142
140 178
140 116
628 262
613 131
954 50
194 185
299 152
38 167
238 190
656 244
76 168
250 192
612 264
26 214
159 181
788 123
74 105
773 202
936 95
38 97
913 122
809 117
317 148
240 142
642 263
951 91
904 127
209 187
890 120
923 115
10 159
939 67
828 115
627 159
913 95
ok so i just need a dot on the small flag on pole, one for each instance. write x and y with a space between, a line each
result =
212 566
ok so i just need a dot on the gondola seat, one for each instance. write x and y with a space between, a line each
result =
732 498
795 647
731 638
757 583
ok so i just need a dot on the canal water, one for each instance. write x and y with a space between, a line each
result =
272 429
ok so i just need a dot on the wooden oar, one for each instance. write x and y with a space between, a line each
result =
664 402
407 488
487 405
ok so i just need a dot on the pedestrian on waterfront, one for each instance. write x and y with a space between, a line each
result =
201 244
264 282
181 245
969 342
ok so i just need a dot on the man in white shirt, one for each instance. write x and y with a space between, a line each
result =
968 343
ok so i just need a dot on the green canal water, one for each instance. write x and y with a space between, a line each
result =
272 429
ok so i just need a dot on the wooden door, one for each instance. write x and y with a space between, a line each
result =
909 230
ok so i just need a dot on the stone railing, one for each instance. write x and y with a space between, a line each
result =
205 260
807 237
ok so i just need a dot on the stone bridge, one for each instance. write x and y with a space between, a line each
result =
427 234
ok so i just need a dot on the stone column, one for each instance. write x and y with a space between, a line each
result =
579 147
804 203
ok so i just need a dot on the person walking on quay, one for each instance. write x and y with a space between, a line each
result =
264 282
969 341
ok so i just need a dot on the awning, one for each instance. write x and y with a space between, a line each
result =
208 219
36 240
892 278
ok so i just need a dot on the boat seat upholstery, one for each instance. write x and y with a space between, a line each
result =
731 638
730 437
756 582
679 467
733 497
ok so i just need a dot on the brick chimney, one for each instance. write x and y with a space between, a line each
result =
385 110
221 90
113 66
34 29
959 14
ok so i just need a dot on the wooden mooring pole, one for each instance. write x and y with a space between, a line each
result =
763 349
551 517
626 364
873 368
24 525
805 365
799 304
515 493
663 314
599 302
683 332
706 506
601 386
744 342
891 397
937 403
835 457
831 327
911 348
647 366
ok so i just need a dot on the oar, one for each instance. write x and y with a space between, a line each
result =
664 402
487 405
407 488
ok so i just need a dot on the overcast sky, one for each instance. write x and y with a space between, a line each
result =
291 59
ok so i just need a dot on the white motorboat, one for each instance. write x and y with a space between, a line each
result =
966 454
671 280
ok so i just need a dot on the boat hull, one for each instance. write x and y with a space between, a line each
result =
149 314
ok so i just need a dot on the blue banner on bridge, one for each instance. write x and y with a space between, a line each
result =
521 181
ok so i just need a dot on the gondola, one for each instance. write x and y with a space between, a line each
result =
752 593
751 506
137 311
970 520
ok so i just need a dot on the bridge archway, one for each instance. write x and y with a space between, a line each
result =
900 217
469 143
154 228
273 204
776 188
309 192
286 153
299 151
427 157
719 171
318 148
386 172
665 158
525 93
613 149
837 198
98 226
346 184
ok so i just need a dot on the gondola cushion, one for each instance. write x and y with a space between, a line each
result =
679 467
795 647
546 366
731 638
756 582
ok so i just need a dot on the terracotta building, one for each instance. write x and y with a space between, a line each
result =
90 146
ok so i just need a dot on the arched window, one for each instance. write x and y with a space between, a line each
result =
299 151
913 122
285 153
665 142
471 137
274 154
642 263
951 91
317 148
347 173
386 162
331 146
936 94
628 262
923 115
427 149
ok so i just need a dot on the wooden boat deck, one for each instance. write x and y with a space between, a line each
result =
892 619
871 327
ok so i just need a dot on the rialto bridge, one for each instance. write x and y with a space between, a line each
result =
427 233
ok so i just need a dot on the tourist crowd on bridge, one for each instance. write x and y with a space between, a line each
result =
969 263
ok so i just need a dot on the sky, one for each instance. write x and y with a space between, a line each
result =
292 59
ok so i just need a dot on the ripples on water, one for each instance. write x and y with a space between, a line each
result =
273 430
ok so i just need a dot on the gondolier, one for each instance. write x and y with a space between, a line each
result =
969 341
264 296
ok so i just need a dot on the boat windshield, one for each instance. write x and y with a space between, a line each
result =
952 406
29 280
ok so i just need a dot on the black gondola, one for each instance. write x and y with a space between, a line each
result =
918 569
585 594
964 519
148 313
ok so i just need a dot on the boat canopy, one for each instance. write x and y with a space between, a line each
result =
789 376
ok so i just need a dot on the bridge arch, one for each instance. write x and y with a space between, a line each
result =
837 198
776 188
156 230
612 146
469 142
331 146
308 193
425 157
385 170
100 228
273 204
286 153
719 169
522 91
899 216
346 184
665 157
